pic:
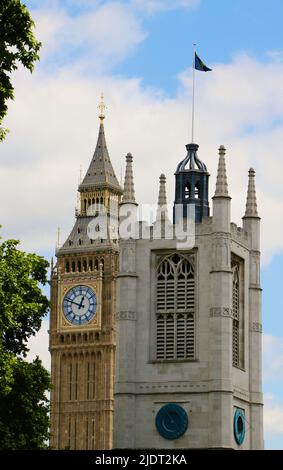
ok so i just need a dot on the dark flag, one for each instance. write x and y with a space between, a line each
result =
199 65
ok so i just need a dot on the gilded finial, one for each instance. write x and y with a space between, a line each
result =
102 108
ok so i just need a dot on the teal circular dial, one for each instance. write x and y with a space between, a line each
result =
79 305
171 421
239 426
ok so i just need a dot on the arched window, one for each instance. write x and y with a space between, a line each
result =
175 315
197 191
237 311
91 379
85 265
79 266
187 191
73 266
90 265
73 379
67 267
235 316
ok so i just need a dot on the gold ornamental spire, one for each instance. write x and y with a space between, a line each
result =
102 108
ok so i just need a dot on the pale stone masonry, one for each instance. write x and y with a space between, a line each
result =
223 378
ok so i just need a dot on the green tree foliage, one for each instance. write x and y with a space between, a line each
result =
24 410
17 45
23 404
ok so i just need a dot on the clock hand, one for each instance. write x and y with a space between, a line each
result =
76 303
81 303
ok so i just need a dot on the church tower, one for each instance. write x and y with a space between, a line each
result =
83 307
188 359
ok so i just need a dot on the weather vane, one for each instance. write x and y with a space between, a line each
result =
102 108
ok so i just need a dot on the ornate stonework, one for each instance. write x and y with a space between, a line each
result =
256 327
221 312
126 316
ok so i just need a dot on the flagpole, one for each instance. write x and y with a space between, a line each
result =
193 97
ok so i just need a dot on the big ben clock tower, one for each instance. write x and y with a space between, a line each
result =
83 304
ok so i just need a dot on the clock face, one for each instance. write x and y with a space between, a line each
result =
79 305
171 421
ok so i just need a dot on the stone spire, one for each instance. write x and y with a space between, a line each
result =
129 190
162 212
100 173
251 205
221 189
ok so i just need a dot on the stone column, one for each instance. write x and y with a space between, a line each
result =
124 396
251 223
220 322
124 390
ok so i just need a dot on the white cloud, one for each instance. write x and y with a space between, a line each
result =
38 345
275 55
99 38
272 379
273 416
272 358
153 6
54 128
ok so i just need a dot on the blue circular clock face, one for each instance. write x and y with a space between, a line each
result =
171 421
79 305
239 426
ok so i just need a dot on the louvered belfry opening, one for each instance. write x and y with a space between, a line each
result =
175 316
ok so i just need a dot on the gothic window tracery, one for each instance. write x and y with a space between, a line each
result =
175 313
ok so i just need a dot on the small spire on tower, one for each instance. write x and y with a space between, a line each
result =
102 108
251 205
162 212
221 189
100 172
129 190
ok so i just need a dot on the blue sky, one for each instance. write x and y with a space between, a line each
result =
139 53
220 28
